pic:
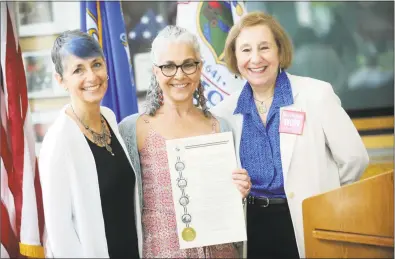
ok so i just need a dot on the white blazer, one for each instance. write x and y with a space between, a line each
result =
329 153
72 207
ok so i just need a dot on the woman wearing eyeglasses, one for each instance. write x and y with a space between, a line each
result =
171 114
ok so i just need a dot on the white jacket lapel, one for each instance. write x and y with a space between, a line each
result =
287 141
287 144
237 127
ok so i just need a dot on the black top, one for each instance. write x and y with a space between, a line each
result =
116 183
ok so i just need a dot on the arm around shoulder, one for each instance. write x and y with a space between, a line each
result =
224 124
127 129
342 137
227 106
55 167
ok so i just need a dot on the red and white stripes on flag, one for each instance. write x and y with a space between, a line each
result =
22 218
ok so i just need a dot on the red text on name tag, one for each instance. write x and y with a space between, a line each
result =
292 122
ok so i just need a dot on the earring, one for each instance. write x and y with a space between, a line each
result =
196 93
196 97
160 97
235 76
108 77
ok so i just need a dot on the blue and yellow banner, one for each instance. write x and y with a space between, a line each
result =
104 21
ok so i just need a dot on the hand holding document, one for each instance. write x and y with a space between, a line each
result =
208 205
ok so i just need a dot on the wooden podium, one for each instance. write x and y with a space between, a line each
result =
354 221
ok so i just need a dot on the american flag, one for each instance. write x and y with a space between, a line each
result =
149 26
22 218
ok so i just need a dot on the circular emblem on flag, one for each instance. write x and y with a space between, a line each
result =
214 22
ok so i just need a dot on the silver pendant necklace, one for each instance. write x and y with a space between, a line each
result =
100 139
261 105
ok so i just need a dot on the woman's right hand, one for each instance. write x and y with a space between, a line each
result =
242 181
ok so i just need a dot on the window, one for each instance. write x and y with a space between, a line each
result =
143 21
38 25
349 44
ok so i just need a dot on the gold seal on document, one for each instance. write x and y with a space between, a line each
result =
188 234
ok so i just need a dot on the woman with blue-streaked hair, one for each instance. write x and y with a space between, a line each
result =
91 193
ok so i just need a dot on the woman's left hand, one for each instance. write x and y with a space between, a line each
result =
242 181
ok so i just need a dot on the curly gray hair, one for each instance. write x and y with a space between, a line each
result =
171 34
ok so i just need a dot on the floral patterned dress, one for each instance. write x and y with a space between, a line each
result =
159 217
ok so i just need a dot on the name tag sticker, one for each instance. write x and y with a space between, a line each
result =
292 122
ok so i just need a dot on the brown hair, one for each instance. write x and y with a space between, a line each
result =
252 19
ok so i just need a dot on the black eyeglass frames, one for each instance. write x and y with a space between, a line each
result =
170 70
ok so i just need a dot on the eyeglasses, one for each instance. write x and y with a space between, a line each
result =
170 70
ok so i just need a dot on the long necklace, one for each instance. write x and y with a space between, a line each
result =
262 105
100 139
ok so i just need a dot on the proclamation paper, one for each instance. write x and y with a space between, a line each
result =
208 204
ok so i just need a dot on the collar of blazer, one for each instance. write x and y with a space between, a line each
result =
287 141
296 85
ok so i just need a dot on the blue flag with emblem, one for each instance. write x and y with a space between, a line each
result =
104 21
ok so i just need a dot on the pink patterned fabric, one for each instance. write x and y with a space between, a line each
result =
159 223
